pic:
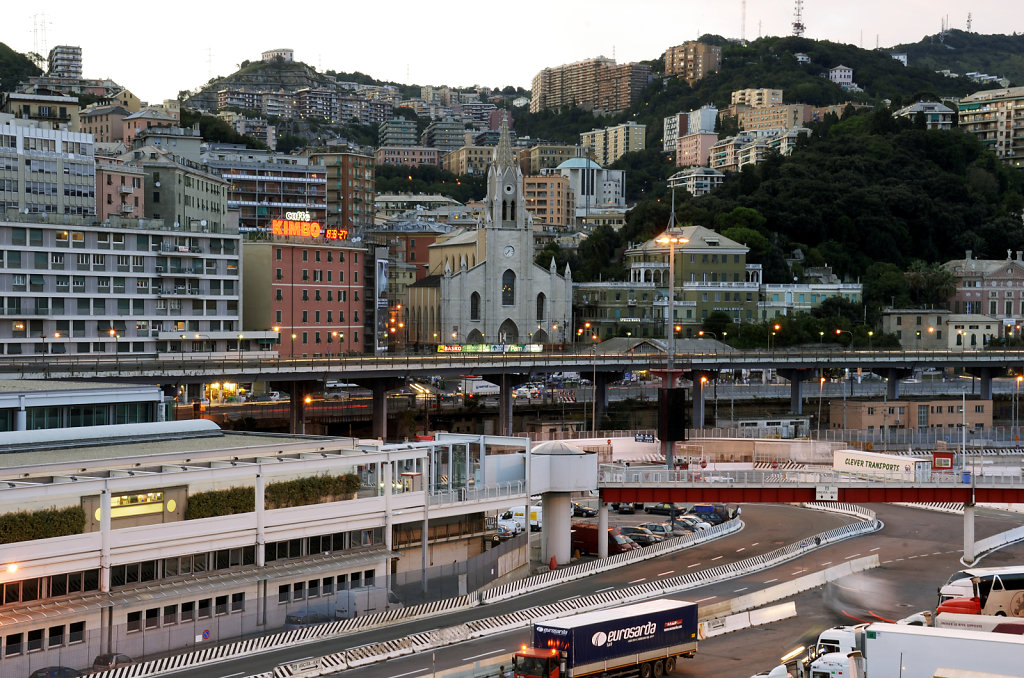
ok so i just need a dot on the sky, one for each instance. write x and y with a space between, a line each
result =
156 53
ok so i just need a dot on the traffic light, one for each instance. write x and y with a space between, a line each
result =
672 414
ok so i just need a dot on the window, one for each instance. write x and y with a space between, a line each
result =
508 288
474 306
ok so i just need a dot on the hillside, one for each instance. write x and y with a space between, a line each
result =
961 52
14 68
266 75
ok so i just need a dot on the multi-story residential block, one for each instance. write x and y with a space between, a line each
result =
593 187
147 118
390 206
972 332
44 170
918 328
789 299
989 287
598 84
446 134
52 110
551 200
671 125
468 160
131 103
311 290
996 118
757 98
408 241
257 128
726 153
120 189
774 117
611 143
351 188
65 61
697 180
934 114
413 156
539 157
693 150
693 60
365 111
284 54
265 186
316 104
842 76
123 286
945 416
104 123
701 121
397 132
478 113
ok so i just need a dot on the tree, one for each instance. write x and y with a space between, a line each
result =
929 285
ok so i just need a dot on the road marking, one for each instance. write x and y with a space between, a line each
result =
715 558
240 673
898 559
410 673
742 589
911 557
855 555
662 574
876 548
607 588
569 598
771 580
699 601
886 561
693 565
303 659
937 553
637 581
755 543
485 654
742 548
827 562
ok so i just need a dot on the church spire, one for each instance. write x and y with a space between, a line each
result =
503 151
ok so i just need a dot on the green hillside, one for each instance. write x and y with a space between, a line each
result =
15 68
961 52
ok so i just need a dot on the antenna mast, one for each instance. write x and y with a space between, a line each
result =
968 22
743 21
798 18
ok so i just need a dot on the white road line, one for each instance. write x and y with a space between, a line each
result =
771 580
755 543
898 559
230 675
693 565
715 558
937 553
303 659
662 574
876 548
637 581
485 654
911 557
699 601
827 562
606 588
742 548
410 673
855 555
569 598
886 561
742 589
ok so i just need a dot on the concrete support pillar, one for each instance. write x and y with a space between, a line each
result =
557 517
969 533
21 416
602 528
796 396
505 405
388 477
698 399
299 390
261 537
985 383
380 408
105 540
600 397
892 384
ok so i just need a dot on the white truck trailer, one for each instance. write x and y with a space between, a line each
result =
875 466
890 650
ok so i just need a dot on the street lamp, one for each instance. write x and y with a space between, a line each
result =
593 389
1015 418
669 238
821 387
113 335
240 350
775 329
841 332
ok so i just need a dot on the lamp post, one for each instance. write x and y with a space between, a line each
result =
839 335
240 336
113 335
593 390
292 352
669 238
821 388
1015 418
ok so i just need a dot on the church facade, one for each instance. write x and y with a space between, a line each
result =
487 287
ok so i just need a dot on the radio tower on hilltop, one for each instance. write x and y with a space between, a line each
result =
798 19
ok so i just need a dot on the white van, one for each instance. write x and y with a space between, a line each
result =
536 516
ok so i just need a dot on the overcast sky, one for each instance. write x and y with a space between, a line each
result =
157 52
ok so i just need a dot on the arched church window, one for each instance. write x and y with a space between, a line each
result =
508 288
541 299
474 306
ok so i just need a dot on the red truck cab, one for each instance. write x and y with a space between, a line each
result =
531 662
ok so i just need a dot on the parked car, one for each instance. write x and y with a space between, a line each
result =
301 621
503 532
55 672
641 535
695 522
513 526
624 507
582 511
665 530
585 536
105 662
665 509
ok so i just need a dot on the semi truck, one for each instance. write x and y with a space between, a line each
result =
875 466
642 640
887 650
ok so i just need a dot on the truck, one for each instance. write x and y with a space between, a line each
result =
475 387
887 650
875 466
639 640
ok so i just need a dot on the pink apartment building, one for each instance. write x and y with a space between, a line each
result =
120 189
105 123
144 119
692 150
413 156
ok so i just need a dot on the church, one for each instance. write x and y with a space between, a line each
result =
484 286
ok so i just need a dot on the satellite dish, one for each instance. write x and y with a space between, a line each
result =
202 222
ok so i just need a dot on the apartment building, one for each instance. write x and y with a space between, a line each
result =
147 118
544 156
670 127
264 186
592 186
551 200
120 189
413 156
446 134
774 117
990 287
934 114
697 180
694 150
315 103
468 160
701 121
757 98
351 190
55 111
946 416
126 287
599 84
397 132
104 123
996 118
310 290
692 60
611 143
257 128
65 61
45 170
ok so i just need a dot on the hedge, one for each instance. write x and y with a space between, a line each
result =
41 524
298 492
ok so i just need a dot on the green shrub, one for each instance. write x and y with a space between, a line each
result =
220 503
41 524
298 492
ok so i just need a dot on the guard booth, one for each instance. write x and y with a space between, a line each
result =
412 482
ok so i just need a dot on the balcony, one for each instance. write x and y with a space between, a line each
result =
124 189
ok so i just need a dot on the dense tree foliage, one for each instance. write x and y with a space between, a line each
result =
15 68
962 52
426 179
213 128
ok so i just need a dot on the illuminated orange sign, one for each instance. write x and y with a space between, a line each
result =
306 229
